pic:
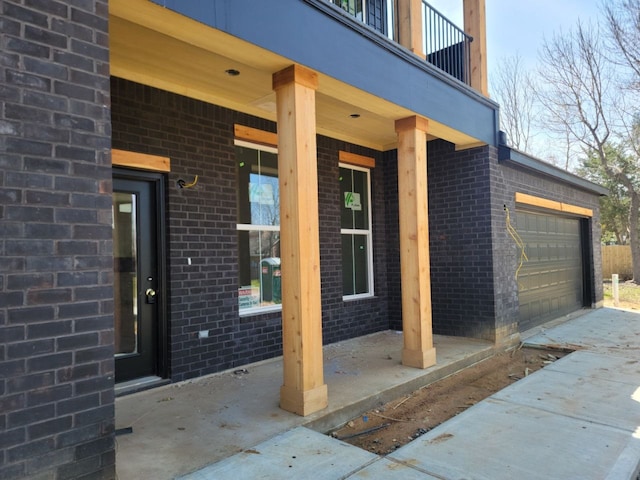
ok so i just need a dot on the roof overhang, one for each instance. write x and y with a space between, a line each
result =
157 46
522 160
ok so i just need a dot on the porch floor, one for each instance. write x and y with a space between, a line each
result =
182 427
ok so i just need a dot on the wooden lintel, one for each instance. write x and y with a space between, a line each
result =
295 74
355 159
254 135
532 200
585 212
143 161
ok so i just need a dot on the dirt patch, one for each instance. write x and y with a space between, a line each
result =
388 427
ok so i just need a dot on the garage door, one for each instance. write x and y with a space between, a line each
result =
550 282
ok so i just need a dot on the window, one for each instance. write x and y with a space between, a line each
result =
378 14
259 286
352 7
357 256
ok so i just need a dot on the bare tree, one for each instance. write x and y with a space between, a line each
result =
512 89
583 94
623 21
624 28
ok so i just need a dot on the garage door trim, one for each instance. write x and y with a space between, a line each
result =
545 203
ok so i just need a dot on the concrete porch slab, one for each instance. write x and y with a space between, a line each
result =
183 427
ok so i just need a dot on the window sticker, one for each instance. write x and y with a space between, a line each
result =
352 201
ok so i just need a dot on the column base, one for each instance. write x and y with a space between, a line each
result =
419 358
304 403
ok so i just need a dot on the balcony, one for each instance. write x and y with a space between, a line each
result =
445 46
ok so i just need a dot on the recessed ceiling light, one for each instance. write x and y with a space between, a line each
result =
232 72
355 115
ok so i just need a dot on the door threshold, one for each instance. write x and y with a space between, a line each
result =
139 384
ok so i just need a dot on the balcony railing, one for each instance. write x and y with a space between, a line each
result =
446 46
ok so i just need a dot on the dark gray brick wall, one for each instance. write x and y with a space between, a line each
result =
198 137
460 241
392 236
56 307
506 180
201 224
473 258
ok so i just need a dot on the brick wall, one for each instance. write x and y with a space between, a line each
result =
460 241
198 137
505 252
56 298
473 259
392 236
506 180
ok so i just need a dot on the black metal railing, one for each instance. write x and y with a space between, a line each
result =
445 45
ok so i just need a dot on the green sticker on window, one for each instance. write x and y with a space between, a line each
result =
352 201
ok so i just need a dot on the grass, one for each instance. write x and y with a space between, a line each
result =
628 293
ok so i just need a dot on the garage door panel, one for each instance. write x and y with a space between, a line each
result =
550 282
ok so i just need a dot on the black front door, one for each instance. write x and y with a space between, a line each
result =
138 282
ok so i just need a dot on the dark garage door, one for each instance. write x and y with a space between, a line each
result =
550 282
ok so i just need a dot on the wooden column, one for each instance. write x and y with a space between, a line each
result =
475 24
410 26
414 243
303 391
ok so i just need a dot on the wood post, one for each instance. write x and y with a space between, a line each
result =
414 243
475 24
410 26
303 391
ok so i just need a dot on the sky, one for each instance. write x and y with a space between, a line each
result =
519 27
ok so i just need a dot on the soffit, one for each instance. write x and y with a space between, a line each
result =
157 47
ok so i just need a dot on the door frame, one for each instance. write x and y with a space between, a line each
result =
588 272
158 183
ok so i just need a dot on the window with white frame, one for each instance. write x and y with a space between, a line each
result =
357 253
259 282
378 14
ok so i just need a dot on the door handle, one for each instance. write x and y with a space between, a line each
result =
151 295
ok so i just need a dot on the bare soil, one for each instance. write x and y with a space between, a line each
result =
390 426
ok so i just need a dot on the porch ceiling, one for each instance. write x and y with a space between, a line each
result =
157 47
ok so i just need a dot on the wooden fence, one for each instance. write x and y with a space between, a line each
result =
616 259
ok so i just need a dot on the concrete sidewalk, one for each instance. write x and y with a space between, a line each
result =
579 418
